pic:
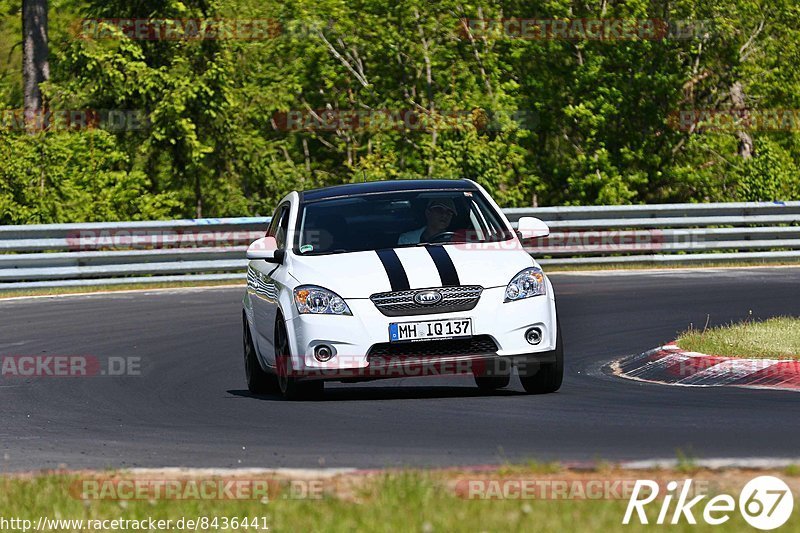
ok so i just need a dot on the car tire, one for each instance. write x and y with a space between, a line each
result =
549 376
291 388
490 383
258 381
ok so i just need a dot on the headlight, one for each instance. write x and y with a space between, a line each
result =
528 283
312 300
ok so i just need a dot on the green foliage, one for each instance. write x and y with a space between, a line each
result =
56 177
538 121
771 175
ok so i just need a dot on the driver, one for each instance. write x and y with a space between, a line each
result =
438 216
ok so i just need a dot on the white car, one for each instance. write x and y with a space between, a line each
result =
397 279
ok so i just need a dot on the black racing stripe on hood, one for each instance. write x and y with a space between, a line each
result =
444 264
394 269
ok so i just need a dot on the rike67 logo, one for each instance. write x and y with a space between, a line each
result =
765 503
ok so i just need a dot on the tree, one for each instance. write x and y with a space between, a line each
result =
408 90
35 56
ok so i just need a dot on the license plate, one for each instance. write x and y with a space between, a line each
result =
432 329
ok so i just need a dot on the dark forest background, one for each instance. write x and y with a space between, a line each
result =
536 121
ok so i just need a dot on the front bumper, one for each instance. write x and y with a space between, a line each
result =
352 337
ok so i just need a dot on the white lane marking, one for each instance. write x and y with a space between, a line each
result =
715 463
718 463
311 473
10 344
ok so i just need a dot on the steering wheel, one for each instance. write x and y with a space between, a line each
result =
444 236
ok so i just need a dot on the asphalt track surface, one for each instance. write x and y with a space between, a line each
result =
190 407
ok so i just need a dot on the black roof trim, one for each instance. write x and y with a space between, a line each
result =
373 187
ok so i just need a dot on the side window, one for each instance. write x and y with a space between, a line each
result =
477 218
279 225
477 224
282 226
273 224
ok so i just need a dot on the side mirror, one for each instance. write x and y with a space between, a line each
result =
266 249
532 228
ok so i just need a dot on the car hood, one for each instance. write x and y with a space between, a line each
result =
362 274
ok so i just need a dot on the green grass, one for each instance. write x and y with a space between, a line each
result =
776 338
115 287
400 501
686 463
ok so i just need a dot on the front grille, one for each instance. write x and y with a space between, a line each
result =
454 299
477 345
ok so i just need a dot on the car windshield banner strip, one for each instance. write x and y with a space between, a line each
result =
394 269
445 266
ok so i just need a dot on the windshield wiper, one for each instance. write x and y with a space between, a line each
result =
441 243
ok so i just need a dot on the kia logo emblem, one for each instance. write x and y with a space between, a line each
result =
428 297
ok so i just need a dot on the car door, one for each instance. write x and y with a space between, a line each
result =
264 285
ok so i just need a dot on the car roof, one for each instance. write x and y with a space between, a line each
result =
373 187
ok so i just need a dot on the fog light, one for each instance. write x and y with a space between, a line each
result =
533 336
323 353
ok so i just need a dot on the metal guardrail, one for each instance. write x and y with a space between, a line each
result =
62 255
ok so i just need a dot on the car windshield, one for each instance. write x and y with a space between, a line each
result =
398 219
